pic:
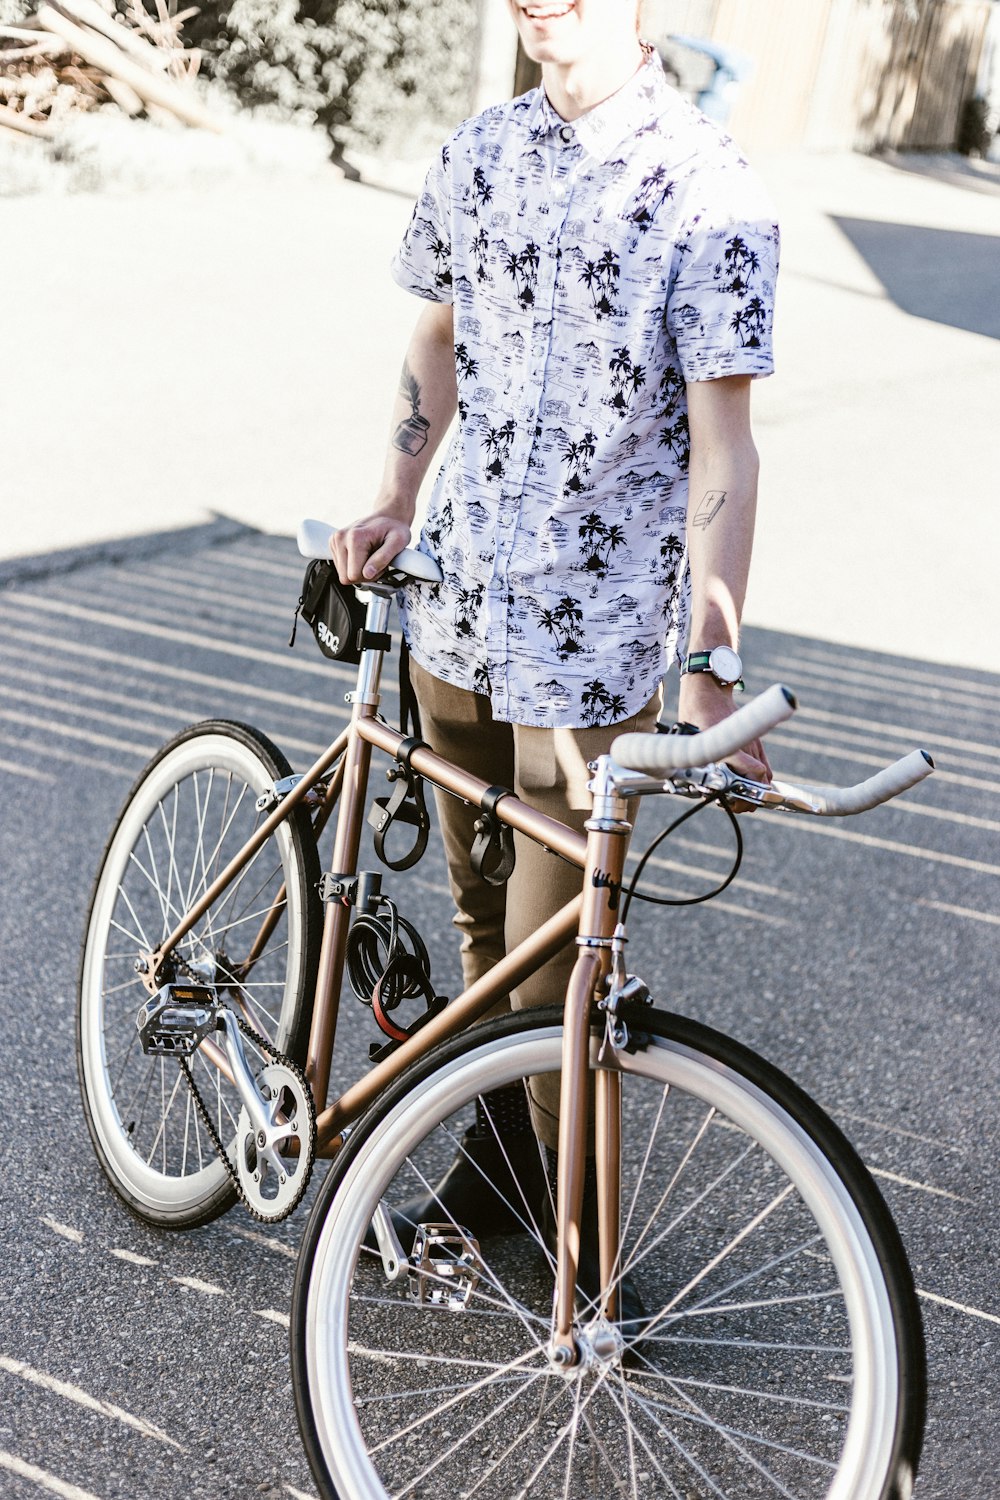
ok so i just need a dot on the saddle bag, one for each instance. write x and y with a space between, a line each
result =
333 612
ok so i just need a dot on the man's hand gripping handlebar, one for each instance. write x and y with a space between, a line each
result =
695 759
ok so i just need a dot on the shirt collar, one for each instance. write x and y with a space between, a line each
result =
604 128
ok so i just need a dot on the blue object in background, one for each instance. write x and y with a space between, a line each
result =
731 68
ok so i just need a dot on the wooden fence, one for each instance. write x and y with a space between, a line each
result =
842 74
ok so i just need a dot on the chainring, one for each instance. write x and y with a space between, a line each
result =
274 1164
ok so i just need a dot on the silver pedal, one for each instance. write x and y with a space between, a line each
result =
445 1266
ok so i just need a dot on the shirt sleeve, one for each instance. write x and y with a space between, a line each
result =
422 264
720 311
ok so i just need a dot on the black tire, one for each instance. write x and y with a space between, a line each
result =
157 1154
824 1386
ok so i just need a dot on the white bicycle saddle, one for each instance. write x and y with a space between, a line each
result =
314 541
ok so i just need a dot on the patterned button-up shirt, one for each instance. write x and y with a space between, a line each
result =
595 268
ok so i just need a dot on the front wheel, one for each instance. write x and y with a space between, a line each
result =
781 1352
188 815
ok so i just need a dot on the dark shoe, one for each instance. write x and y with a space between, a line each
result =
485 1190
632 1317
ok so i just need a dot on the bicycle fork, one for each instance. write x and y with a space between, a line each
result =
608 831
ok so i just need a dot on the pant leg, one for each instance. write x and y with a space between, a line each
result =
459 725
551 773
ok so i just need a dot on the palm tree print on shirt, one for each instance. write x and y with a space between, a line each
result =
677 438
599 706
564 623
522 266
481 254
598 541
441 250
482 193
601 278
739 264
654 190
579 455
627 379
498 441
750 322
465 365
468 604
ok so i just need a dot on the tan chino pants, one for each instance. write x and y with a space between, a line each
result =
548 769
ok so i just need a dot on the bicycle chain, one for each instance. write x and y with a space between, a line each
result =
308 1146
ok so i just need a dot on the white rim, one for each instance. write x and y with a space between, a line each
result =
867 1449
201 753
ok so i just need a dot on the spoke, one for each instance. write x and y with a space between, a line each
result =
740 1390
132 913
173 874
680 1338
705 1193
674 1442
726 1251
736 1438
709 1310
525 1491
633 1431
429 1390
154 880
706 1303
640 1175
404 1304
671 1185
165 1107
442 1407
531 1227
519 1439
465 1362
201 810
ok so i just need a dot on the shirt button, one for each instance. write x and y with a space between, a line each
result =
565 134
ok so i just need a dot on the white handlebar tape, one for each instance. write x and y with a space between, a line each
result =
654 754
840 801
314 541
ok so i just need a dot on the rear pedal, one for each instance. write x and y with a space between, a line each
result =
175 1021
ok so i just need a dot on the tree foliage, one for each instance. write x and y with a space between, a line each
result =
364 70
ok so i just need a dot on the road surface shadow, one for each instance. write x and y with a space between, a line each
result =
944 275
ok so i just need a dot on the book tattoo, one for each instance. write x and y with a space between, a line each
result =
411 434
711 503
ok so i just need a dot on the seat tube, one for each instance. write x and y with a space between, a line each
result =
347 841
608 831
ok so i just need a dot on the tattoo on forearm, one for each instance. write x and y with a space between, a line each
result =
711 503
411 434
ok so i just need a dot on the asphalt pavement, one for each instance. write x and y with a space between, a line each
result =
232 371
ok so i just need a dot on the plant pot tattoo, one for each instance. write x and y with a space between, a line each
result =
711 503
411 434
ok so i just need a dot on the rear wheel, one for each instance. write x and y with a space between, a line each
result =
782 1353
190 812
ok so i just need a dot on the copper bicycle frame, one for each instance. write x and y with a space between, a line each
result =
591 917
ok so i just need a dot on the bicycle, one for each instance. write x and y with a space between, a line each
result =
778 1347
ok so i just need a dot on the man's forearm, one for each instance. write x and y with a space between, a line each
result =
425 405
721 511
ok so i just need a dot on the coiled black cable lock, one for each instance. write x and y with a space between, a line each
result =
387 964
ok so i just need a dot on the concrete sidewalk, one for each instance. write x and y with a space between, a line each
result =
178 357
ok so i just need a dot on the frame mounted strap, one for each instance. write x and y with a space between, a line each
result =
492 853
405 805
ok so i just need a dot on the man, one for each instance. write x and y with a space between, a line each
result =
598 264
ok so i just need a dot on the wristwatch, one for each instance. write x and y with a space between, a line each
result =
723 663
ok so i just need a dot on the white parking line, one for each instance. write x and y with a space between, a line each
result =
278 1246
961 911
83 1398
41 1476
64 1229
970 1312
921 1187
196 1285
132 1258
273 1316
13 769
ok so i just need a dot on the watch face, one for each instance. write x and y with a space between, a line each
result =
724 663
